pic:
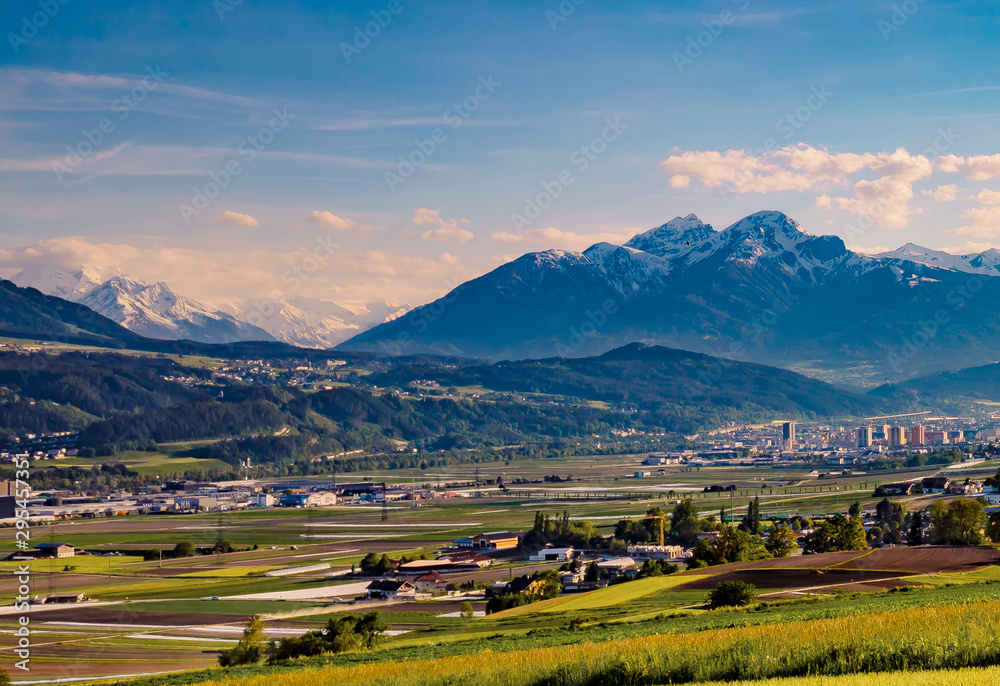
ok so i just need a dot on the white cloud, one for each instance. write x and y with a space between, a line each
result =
988 197
983 221
328 220
946 193
884 194
977 167
231 218
447 230
228 275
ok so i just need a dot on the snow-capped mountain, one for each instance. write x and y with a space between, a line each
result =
672 238
62 283
987 262
313 323
155 311
762 289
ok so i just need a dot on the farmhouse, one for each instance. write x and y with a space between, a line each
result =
319 499
390 589
617 564
56 550
467 556
655 552
553 555
420 567
967 488
935 484
494 540
432 581
902 488
64 598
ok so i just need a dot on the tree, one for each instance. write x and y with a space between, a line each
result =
836 534
375 565
222 546
656 568
466 612
341 634
183 549
916 533
545 585
371 627
751 521
887 511
993 527
855 510
730 545
4 678
961 522
685 510
593 572
249 650
732 594
781 541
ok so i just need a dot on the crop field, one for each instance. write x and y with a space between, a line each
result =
935 636
151 615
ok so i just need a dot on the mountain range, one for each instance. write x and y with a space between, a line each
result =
156 311
762 290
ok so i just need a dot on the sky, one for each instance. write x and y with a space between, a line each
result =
387 150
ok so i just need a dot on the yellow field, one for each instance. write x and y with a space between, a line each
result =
989 676
605 597
84 564
931 637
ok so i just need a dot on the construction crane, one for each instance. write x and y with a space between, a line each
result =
662 518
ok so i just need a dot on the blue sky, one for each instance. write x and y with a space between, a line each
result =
890 114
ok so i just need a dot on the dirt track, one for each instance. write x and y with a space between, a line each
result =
927 559
789 578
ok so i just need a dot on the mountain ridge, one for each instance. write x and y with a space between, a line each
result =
762 290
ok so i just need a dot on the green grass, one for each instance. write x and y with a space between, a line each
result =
618 594
82 564
225 573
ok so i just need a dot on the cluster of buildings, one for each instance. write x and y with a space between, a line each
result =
920 435
792 441
41 446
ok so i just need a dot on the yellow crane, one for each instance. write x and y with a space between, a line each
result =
661 517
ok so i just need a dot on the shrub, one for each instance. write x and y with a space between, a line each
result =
732 593
249 649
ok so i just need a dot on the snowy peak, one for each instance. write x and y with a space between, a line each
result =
769 223
155 311
673 238
986 262
62 283
314 323
770 240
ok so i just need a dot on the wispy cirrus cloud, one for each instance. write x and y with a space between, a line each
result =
25 88
128 159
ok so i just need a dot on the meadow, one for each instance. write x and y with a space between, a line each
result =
930 637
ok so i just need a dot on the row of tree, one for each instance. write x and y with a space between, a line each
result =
343 633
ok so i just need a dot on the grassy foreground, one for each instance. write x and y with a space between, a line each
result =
965 677
927 638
